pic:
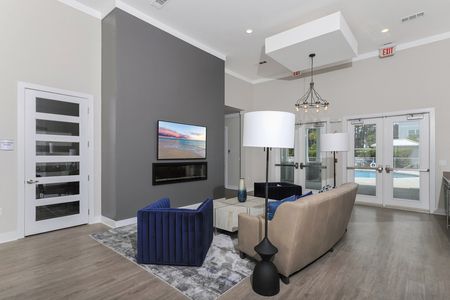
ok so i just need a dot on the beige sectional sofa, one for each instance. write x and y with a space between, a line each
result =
302 230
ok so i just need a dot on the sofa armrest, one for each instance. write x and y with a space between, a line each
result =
250 233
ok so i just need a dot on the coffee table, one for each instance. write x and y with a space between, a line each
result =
226 211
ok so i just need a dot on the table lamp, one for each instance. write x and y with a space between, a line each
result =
267 129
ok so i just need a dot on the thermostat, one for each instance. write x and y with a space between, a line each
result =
6 145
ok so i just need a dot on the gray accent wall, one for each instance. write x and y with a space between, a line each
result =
150 75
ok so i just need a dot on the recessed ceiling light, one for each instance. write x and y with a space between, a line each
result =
249 31
385 30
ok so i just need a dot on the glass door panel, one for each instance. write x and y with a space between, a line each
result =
363 158
46 212
311 175
365 152
287 165
57 128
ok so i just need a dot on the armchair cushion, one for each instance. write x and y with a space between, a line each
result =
174 236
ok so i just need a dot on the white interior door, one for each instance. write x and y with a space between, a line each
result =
311 174
389 158
56 161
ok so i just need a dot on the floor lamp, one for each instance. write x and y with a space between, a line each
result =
334 142
267 129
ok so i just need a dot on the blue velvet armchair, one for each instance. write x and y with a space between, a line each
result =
174 236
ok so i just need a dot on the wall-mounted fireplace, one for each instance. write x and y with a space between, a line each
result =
165 173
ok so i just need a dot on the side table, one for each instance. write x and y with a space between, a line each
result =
226 211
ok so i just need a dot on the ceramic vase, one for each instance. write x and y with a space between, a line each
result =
242 191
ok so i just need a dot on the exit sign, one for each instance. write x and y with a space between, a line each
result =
296 74
386 52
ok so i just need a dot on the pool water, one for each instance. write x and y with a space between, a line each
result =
372 174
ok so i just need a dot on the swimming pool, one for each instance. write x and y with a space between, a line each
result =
372 174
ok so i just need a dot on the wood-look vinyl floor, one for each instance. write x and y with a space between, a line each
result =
386 254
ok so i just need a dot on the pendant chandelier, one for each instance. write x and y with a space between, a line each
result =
312 99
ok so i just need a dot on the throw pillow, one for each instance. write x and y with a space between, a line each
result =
272 208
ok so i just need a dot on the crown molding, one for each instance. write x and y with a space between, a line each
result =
424 41
84 8
146 18
407 45
238 76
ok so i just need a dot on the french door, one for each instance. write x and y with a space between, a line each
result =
56 161
311 174
303 164
389 158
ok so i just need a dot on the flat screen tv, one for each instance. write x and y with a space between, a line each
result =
181 141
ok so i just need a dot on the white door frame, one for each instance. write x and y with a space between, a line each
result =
226 158
431 111
21 88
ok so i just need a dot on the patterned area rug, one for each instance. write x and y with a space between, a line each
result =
222 269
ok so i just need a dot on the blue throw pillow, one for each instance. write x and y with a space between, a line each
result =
272 208
304 195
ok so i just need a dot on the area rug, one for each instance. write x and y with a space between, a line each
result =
222 269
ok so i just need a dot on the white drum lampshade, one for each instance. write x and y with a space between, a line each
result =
330 142
271 129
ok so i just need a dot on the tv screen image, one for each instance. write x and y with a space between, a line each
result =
181 141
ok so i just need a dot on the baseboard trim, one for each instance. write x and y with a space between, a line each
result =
95 220
232 187
114 224
8 237
439 212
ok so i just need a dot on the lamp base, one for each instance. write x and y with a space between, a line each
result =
266 280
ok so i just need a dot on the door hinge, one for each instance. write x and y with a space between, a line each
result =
89 144
89 211
89 177
89 110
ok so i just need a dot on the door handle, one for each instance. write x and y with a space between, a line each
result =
302 166
388 169
294 165
380 169
31 181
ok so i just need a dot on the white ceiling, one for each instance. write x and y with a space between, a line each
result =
221 24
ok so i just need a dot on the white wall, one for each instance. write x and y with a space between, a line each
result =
412 79
238 93
43 42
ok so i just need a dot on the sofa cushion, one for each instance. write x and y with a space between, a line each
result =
274 205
